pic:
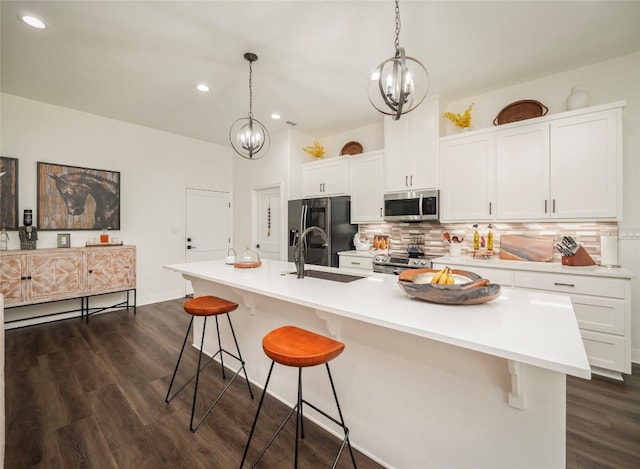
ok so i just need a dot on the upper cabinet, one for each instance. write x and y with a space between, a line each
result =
586 166
326 178
367 188
411 149
566 166
468 178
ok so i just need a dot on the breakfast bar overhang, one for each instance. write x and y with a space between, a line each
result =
421 384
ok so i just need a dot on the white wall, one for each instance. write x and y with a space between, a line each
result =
155 168
609 81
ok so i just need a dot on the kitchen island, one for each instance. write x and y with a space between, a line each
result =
421 385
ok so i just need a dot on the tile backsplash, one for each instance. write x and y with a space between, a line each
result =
429 235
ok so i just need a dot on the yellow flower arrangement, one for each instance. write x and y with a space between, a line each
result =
461 120
316 150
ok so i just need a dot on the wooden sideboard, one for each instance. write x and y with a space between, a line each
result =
29 277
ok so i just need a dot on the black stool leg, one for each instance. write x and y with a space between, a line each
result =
344 427
195 391
166 399
299 424
233 333
255 420
220 349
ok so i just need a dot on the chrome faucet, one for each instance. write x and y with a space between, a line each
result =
298 252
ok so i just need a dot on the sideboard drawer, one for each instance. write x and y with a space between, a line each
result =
578 284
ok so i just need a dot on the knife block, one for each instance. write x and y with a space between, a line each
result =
581 257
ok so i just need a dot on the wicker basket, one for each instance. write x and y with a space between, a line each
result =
520 110
26 245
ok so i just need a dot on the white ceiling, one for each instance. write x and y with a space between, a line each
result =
140 61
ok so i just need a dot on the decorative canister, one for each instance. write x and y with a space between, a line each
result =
578 98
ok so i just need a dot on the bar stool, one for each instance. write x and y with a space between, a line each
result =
206 306
295 347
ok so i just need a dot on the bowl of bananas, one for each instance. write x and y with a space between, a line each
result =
448 286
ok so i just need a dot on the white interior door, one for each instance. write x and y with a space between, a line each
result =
208 218
267 217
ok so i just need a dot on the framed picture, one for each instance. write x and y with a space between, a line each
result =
9 193
64 240
74 198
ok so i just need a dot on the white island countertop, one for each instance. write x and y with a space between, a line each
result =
533 328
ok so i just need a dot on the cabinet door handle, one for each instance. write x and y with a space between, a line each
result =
355 263
23 278
411 180
490 208
553 205
380 211
545 205
90 271
560 284
29 277
406 181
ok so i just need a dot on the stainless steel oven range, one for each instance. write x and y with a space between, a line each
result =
395 263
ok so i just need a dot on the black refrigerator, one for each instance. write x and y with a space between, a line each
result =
333 215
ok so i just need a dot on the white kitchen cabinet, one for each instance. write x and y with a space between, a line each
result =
357 260
586 165
367 188
468 178
522 172
326 177
411 149
562 167
601 301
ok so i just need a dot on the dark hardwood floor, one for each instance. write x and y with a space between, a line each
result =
92 395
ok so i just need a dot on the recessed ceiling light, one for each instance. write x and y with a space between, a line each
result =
33 21
275 115
202 87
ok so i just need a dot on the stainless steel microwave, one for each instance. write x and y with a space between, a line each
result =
412 206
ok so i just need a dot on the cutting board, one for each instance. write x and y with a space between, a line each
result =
526 248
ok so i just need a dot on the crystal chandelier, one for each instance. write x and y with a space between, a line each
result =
400 83
249 138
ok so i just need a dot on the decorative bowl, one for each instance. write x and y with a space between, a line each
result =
469 288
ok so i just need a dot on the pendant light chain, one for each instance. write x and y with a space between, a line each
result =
250 89
397 43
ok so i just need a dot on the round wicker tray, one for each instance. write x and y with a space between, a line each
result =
351 148
521 110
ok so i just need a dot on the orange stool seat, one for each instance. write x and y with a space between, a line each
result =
292 346
209 306
204 307
299 348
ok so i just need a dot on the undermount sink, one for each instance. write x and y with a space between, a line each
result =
333 276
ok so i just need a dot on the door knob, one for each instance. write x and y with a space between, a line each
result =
257 246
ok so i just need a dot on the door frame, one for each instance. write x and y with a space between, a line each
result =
254 216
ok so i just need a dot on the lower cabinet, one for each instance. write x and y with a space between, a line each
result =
44 275
356 261
602 305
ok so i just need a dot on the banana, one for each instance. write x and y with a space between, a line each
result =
443 278
450 279
437 276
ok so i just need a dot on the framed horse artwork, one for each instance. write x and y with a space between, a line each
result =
74 198
8 193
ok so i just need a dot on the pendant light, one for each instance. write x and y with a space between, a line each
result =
400 83
249 138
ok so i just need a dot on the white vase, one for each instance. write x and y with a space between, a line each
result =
578 98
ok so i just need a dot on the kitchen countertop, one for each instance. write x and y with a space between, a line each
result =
516 326
550 267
